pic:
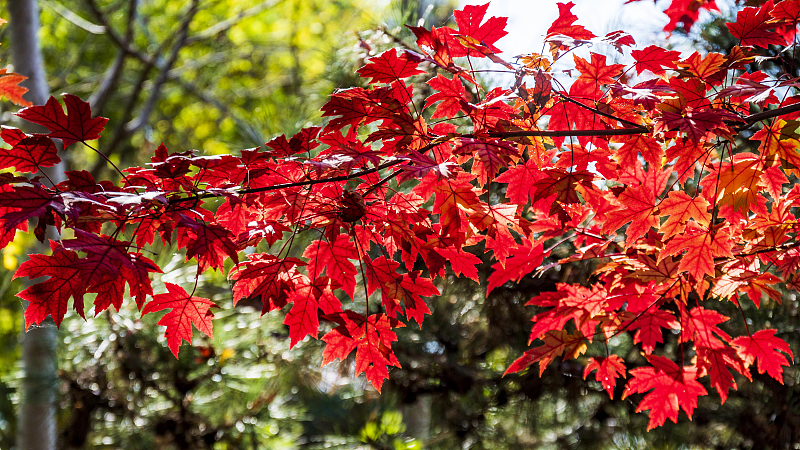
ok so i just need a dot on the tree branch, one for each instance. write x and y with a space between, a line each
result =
227 24
101 95
161 78
75 19
288 185
121 43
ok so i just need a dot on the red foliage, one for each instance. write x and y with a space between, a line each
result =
642 176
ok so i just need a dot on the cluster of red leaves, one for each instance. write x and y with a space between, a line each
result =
643 176
769 24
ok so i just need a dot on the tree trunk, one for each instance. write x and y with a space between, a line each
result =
38 388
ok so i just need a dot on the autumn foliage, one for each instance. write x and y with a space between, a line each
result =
636 167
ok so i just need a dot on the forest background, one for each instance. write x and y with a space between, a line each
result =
236 76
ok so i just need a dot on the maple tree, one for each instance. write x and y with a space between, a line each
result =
636 167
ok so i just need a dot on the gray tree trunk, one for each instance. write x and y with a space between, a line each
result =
36 423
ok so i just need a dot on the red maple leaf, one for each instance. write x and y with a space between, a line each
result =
372 339
265 276
185 311
649 148
701 246
25 202
388 67
521 179
697 123
655 59
209 244
10 88
27 153
648 328
717 362
686 12
753 27
638 204
51 297
451 93
76 125
672 387
681 208
556 343
334 258
307 300
524 259
608 370
400 289
788 11
469 25
596 72
764 347
302 142
706 68
565 24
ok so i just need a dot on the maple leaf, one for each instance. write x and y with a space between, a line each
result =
608 370
697 123
735 183
51 297
489 157
705 67
686 12
209 244
372 339
302 142
702 328
523 260
76 125
649 148
267 276
561 184
596 72
788 11
748 279
25 202
764 347
752 27
717 362
681 208
10 88
520 179
648 328
469 25
388 67
655 59
672 387
307 299
556 343
423 164
618 39
333 257
701 246
564 24
638 205
451 93
462 262
453 197
396 289
27 153
185 311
